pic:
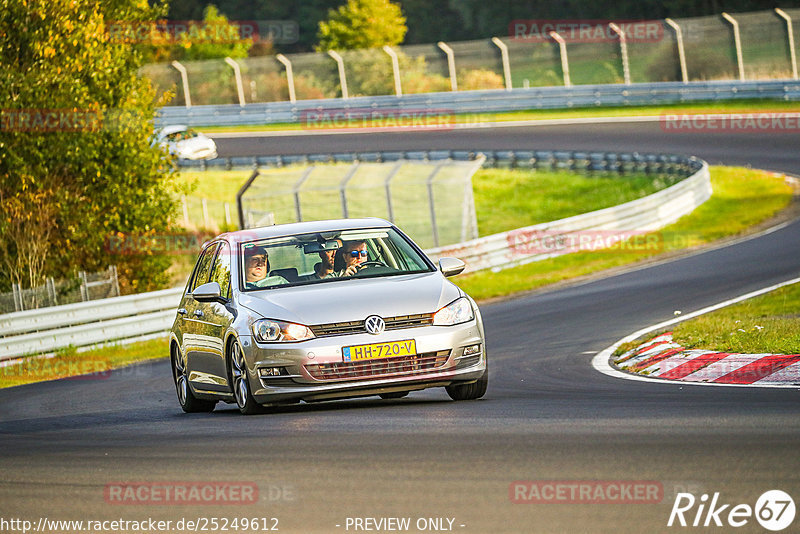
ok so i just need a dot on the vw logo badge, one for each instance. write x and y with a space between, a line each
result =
374 325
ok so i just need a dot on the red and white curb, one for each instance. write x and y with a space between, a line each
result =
662 358
668 362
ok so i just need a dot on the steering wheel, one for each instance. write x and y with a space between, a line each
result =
371 263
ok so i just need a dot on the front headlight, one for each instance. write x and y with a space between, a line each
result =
271 331
458 311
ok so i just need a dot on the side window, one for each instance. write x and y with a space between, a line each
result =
203 267
222 269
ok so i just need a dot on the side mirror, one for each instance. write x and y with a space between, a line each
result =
451 266
207 292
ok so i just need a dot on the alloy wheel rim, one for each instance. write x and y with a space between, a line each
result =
239 376
181 383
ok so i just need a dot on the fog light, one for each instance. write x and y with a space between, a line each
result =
472 349
270 371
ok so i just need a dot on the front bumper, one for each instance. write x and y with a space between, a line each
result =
299 364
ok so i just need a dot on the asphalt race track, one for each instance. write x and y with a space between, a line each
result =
548 416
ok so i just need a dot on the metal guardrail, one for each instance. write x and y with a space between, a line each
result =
488 101
133 317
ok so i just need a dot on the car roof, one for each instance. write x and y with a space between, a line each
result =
282 230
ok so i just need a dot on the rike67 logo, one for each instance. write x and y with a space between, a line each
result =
774 510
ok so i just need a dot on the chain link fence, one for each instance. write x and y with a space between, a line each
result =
708 45
431 200
87 286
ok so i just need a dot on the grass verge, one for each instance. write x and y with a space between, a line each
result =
95 364
766 324
731 106
742 198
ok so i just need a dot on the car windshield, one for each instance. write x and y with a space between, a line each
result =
328 257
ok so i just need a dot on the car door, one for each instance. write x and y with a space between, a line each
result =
194 332
212 319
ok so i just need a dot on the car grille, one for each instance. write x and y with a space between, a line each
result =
357 327
403 365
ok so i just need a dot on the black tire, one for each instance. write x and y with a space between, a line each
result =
394 395
189 403
239 382
476 390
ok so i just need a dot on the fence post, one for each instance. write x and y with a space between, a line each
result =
342 77
228 215
792 54
451 64
19 305
114 279
51 290
296 192
623 46
343 188
289 75
429 182
204 204
737 43
185 80
84 286
681 51
398 89
388 187
237 75
185 211
562 47
506 64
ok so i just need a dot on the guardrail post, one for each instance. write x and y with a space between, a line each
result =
792 54
185 80
623 46
681 51
506 64
562 47
342 78
343 188
296 192
398 89
114 279
227 215
204 204
451 64
84 286
51 291
16 290
237 74
737 43
289 75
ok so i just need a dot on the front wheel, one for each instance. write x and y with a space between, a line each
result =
239 382
189 403
473 391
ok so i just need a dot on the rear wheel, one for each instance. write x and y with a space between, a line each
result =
476 390
189 403
239 382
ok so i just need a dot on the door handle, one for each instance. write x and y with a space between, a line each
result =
198 313
181 311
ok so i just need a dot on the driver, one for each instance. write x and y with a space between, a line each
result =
256 266
354 253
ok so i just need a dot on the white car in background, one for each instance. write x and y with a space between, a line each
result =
186 143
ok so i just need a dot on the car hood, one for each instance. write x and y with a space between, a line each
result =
353 299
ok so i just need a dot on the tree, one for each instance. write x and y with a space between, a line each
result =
362 24
76 162
215 38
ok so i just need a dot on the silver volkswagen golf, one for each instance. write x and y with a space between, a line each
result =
323 310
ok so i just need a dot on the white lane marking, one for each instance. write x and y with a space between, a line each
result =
601 361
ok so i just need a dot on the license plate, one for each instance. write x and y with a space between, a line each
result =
374 351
